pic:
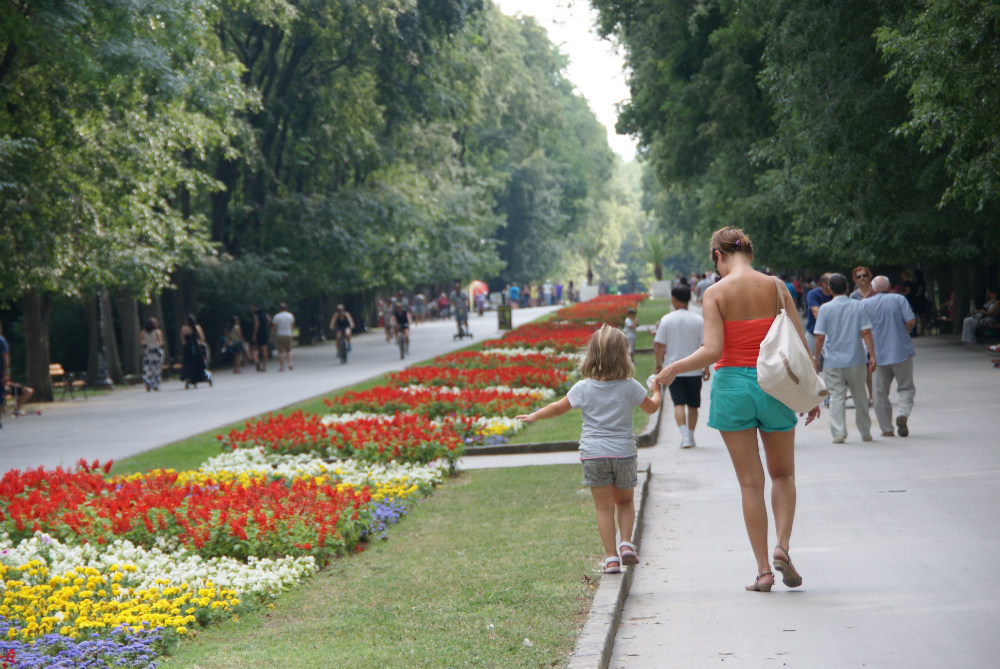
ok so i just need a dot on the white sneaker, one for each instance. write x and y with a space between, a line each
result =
687 441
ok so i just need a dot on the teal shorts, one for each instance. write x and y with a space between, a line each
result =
738 403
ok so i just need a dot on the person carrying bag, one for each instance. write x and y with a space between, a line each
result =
785 368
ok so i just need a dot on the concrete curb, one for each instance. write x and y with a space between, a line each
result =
644 439
597 639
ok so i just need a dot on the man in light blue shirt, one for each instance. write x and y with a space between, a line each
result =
892 319
841 327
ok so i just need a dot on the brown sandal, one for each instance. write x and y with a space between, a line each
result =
783 563
757 586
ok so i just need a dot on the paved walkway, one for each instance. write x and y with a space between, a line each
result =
897 541
130 420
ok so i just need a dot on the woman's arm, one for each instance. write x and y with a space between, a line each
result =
551 411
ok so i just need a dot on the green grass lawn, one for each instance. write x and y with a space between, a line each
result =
496 569
493 558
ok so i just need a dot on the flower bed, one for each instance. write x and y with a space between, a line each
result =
440 401
99 571
510 375
405 437
494 358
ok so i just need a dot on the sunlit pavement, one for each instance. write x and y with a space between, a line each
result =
131 420
896 539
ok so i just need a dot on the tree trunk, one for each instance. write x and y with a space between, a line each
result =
128 313
99 314
962 280
37 309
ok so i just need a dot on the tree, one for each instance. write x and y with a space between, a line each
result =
106 107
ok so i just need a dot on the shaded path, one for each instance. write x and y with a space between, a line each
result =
130 420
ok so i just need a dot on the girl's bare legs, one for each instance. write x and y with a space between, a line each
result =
743 451
779 450
607 501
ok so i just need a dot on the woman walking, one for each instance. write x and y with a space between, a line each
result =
738 311
151 341
236 343
193 347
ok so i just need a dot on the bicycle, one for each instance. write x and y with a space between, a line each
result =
463 327
342 348
401 341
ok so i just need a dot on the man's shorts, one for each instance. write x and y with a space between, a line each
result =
686 391
284 343
738 403
600 472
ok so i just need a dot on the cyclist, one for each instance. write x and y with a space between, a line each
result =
460 307
342 324
401 322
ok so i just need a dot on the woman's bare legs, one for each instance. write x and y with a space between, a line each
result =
779 450
607 500
744 452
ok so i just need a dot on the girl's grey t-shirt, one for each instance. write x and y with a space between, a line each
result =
607 416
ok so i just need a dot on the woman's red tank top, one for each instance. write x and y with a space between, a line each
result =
741 345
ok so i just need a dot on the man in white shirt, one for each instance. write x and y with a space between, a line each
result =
678 336
281 327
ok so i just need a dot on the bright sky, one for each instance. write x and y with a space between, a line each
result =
595 67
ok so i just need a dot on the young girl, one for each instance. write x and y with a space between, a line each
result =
606 396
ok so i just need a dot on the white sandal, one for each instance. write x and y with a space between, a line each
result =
629 553
612 560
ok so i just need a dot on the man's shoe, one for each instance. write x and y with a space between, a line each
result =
839 440
901 426
889 434
866 437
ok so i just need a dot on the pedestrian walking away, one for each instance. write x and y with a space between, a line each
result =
678 335
816 298
282 329
259 337
630 330
195 352
738 311
606 397
891 319
151 342
844 338
236 343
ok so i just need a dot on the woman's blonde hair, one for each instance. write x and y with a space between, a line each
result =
730 240
607 357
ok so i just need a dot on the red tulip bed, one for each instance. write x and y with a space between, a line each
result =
105 571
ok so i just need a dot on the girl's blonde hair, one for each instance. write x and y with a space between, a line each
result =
607 357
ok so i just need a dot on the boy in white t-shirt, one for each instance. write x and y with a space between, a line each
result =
678 335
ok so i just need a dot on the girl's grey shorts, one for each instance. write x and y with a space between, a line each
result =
622 472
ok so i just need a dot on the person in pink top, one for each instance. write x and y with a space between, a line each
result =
738 311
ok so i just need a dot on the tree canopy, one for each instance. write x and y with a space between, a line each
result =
835 133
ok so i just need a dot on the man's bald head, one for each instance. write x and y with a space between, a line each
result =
880 284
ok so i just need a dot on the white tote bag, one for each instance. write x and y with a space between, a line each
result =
784 366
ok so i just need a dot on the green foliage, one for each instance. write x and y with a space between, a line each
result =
107 104
834 133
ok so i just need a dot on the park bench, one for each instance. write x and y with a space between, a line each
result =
68 381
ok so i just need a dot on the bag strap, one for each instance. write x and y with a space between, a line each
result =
777 296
